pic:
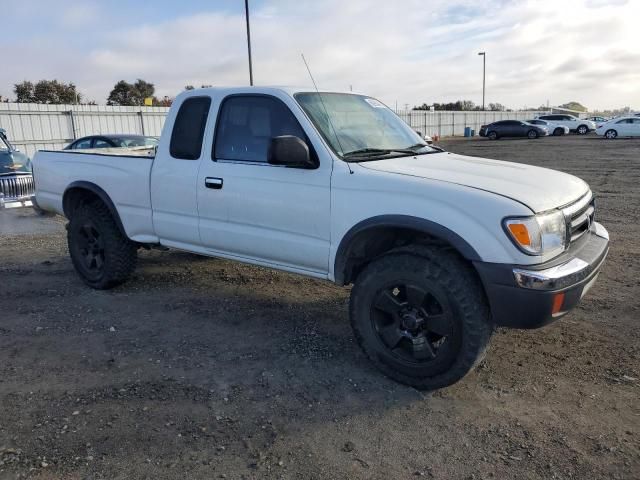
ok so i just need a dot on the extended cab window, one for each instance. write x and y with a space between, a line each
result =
188 129
246 125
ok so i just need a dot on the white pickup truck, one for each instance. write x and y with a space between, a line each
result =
441 248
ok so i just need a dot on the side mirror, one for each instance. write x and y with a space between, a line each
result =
290 151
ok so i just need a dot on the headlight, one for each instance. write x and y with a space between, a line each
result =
541 234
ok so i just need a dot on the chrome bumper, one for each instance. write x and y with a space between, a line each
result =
563 275
15 201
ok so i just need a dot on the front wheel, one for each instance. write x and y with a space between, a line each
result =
583 130
420 315
492 136
532 134
100 253
610 134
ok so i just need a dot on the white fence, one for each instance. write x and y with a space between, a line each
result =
33 127
447 124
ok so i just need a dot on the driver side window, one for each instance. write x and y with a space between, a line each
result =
247 123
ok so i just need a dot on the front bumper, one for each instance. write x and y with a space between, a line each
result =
535 295
12 202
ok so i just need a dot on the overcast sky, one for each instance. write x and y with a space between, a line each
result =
404 51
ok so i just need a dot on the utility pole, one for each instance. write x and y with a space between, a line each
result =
484 74
246 11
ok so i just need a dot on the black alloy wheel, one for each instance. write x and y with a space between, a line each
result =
90 245
415 324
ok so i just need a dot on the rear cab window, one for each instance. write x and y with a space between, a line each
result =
188 129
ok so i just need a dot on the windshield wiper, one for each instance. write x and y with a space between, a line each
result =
365 151
422 145
416 146
376 152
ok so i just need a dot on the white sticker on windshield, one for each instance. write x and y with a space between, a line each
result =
374 103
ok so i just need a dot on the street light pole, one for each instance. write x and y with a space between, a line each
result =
484 73
246 11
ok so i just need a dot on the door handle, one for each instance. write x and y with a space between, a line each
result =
213 182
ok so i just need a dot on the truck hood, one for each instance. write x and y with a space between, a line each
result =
538 188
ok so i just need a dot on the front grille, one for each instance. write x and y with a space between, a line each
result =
580 216
20 187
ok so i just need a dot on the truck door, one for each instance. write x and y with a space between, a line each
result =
260 212
175 173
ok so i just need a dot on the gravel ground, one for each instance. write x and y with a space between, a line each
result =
202 368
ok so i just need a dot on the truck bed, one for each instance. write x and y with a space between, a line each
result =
123 174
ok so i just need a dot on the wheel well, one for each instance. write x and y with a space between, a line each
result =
83 193
371 243
76 196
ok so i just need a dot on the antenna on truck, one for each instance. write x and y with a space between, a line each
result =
325 110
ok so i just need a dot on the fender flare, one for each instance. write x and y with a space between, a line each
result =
100 193
400 221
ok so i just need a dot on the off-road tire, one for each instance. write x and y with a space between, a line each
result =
119 253
457 281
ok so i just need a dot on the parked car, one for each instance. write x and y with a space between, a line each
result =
426 138
112 141
441 248
597 120
512 128
552 128
620 127
16 180
575 124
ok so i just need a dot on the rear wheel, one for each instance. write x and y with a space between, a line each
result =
492 135
582 130
610 134
420 315
101 254
558 131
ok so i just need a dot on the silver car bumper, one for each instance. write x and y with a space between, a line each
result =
564 275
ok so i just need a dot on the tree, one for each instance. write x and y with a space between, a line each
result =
574 106
496 107
164 102
125 93
142 90
191 87
24 92
46 91
121 94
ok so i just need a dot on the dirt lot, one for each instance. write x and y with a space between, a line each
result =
202 368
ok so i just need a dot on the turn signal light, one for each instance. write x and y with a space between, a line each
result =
520 233
558 300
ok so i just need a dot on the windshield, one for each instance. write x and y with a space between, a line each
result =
4 145
360 126
10 161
